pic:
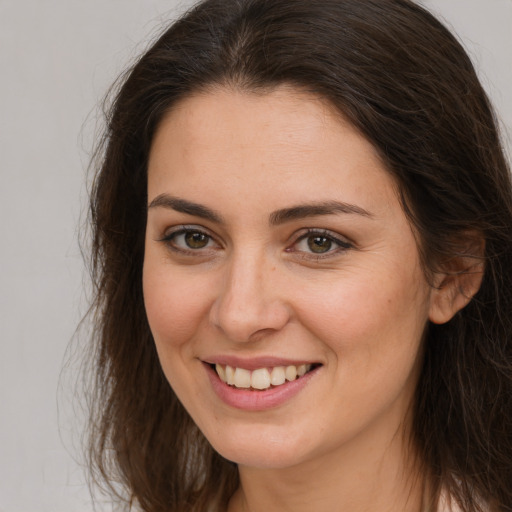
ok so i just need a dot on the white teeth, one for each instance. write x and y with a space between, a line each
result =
230 375
277 377
221 372
262 378
291 372
242 378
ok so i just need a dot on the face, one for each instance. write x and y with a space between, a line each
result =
282 281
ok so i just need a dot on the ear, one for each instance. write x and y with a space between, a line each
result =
458 279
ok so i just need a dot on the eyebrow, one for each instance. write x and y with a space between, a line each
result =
316 209
278 217
188 207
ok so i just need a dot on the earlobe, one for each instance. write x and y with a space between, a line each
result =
457 283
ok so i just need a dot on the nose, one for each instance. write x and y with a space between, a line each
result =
250 302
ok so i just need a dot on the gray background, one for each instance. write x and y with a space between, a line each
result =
57 58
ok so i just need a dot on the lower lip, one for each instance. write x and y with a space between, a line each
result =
257 400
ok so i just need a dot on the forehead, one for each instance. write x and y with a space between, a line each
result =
273 145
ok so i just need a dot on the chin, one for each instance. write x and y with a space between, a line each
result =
263 449
260 458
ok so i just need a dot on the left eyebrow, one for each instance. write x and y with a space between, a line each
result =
315 209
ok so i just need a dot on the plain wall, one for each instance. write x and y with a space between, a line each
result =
57 58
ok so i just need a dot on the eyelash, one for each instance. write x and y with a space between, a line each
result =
169 239
341 245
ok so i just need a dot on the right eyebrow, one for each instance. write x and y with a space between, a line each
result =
188 207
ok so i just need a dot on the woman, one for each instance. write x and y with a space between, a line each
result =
302 249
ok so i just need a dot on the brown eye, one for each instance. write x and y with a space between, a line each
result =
189 239
196 239
319 244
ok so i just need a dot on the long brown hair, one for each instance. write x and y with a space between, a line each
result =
405 82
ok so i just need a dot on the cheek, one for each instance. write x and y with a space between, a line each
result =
372 330
370 317
175 305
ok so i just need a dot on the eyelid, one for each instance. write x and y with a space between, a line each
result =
174 231
342 242
180 228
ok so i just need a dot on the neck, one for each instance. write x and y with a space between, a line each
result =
362 477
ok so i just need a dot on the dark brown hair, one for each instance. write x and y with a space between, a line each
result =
401 78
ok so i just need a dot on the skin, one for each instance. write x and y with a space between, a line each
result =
257 289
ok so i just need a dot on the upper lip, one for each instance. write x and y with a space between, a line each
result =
254 363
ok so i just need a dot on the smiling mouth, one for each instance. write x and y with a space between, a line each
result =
261 379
